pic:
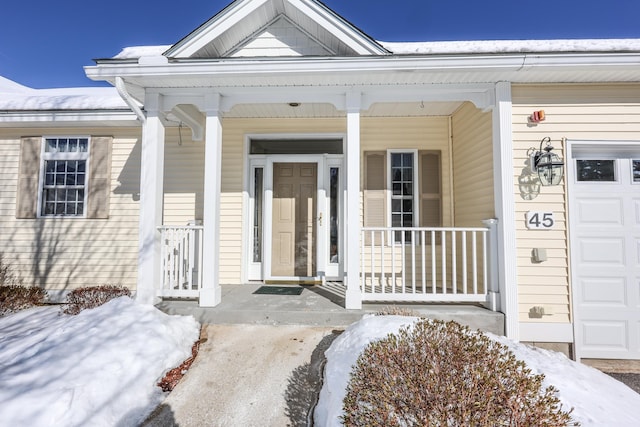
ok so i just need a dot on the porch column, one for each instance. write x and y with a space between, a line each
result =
151 194
353 297
505 207
211 293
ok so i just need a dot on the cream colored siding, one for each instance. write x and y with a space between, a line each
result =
183 177
591 112
65 253
421 133
472 166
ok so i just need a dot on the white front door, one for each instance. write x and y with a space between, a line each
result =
605 251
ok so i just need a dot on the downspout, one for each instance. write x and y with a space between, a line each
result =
128 99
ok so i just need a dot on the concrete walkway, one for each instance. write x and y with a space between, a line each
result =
261 364
249 375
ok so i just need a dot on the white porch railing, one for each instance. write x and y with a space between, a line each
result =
424 264
181 259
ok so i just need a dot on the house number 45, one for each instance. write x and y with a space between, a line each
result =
540 220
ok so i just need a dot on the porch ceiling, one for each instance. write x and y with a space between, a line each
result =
397 109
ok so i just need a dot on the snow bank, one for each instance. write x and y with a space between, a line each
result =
598 400
98 368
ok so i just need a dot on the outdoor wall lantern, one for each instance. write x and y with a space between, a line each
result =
546 164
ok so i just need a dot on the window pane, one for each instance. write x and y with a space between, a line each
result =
333 213
636 170
407 189
63 192
407 174
596 170
257 215
51 145
396 205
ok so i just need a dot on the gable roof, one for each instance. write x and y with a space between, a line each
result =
244 21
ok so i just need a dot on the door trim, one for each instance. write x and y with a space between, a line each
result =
262 271
606 149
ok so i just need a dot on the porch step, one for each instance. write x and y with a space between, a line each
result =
316 306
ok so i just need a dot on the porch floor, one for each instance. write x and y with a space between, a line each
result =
316 306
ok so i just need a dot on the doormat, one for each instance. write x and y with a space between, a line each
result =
279 290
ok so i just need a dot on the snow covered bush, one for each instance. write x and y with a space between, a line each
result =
438 373
92 297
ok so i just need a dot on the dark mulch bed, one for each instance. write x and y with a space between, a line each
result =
173 377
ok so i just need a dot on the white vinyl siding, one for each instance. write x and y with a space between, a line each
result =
584 112
281 38
61 254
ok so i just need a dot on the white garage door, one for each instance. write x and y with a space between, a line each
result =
605 248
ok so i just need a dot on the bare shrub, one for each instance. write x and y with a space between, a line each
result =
441 374
15 298
8 276
92 297
13 295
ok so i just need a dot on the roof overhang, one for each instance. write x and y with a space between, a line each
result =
68 118
379 70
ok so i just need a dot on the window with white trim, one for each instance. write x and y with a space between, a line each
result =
402 188
402 195
63 176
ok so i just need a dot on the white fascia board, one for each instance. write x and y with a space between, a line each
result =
503 65
213 28
340 29
68 118
107 71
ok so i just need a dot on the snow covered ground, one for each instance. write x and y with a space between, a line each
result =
98 368
598 400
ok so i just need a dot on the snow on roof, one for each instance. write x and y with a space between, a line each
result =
135 52
460 47
513 46
15 97
9 86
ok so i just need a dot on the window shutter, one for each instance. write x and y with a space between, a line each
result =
98 186
27 194
375 200
430 189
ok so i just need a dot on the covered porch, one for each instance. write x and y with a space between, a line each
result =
456 262
419 163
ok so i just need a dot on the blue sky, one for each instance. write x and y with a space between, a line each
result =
46 43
